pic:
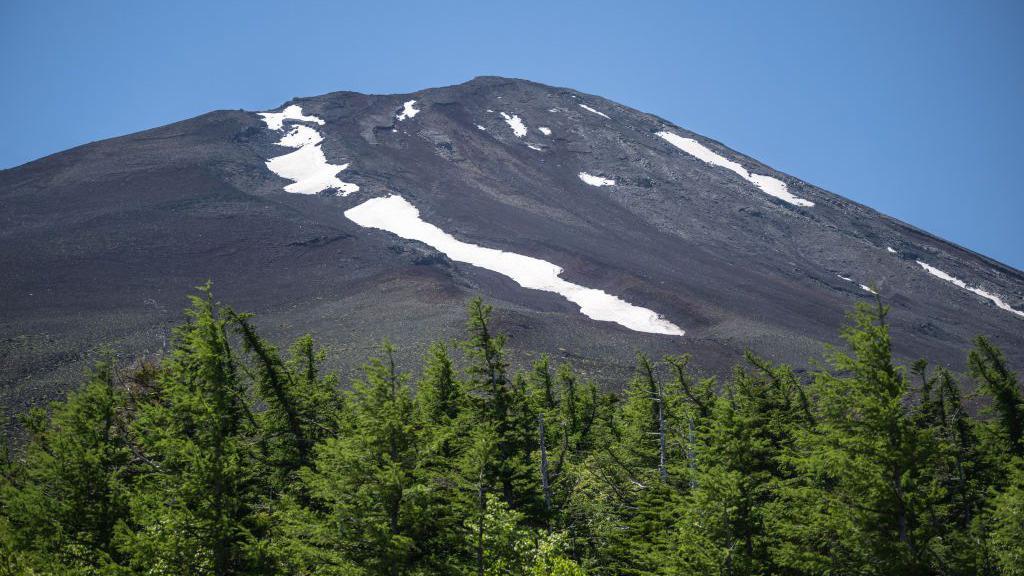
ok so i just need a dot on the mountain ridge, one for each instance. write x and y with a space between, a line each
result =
159 211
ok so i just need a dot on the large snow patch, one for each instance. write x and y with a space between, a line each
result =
396 215
408 110
307 167
516 124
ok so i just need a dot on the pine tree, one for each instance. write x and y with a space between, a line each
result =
742 440
867 471
365 480
64 498
502 404
229 458
443 428
988 366
439 394
1007 523
299 405
197 502
629 499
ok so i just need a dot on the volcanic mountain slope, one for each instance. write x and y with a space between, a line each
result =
594 229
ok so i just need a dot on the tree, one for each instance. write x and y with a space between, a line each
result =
987 365
742 438
502 405
866 470
63 500
444 432
364 481
300 405
196 502
439 394
1007 521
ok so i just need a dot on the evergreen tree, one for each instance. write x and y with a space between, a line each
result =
988 366
1007 522
62 502
364 481
866 471
742 441
444 426
630 501
300 406
502 405
197 501
439 394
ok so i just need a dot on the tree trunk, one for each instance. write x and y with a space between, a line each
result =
481 508
662 470
544 463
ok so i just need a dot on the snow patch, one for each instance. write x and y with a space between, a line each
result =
960 283
890 249
396 215
862 286
275 120
534 147
552 109
544 130
408 110
518 128
767 184
596 180
300 136
307 166
481 127
589 109
311 172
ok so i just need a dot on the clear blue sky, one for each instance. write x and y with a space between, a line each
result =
915 108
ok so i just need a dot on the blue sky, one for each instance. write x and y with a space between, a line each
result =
915 108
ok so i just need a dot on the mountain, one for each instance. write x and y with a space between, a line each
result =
594 229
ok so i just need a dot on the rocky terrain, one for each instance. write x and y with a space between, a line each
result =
594 229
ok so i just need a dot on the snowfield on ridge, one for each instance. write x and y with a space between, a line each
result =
396 215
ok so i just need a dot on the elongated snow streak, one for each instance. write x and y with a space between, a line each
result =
481 127
890 249
862 286
396 215
544 130
408 111
596 180
767 184
275 120
514 122
960 283
307 166
534 147
589 109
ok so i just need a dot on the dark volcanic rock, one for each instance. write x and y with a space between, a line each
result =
101 243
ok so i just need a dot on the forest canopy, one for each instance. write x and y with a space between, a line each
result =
232 456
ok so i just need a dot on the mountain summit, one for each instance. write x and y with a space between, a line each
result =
586 223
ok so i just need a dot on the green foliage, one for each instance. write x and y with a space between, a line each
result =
229 457
63 502
196 501
988 367
1007 521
